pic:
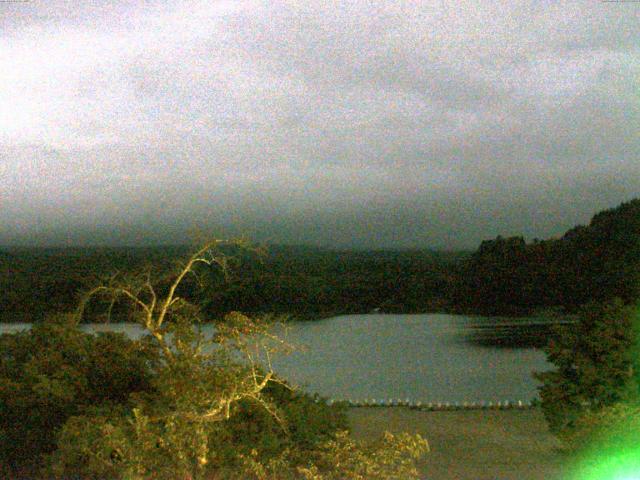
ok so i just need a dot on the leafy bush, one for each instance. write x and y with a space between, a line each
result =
606 443
55 371
391 457
187 427
176 430
597 367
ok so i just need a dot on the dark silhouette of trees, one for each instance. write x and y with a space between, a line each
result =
597 262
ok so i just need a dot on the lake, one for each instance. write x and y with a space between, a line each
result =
427 358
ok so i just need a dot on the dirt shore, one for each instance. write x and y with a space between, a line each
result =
473 444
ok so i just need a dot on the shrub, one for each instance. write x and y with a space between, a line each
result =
55 371
606 443
596 366
178 430
613 427
391 457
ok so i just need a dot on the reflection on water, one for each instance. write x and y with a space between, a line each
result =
419 357
512 332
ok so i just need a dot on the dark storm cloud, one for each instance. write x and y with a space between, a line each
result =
351 123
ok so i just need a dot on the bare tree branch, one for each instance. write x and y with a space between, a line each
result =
238 334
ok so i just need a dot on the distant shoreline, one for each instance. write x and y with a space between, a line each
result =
310 317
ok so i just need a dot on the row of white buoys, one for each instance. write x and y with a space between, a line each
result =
435 406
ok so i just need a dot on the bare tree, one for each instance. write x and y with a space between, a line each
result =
179 427
201 376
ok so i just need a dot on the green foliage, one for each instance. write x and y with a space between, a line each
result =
596 366
90 392
389 458
496 276
598 262
133 444
37 282
186 405
304 281
505 276
169 434
55 371
307 281
91 446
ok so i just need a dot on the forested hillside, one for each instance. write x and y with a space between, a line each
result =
505 276
596 262
306 282
38 281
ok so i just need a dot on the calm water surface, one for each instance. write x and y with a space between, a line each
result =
419 357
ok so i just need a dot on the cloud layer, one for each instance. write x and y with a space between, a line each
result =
346 123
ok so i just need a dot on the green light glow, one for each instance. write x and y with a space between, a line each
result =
614 451
614 454
622 466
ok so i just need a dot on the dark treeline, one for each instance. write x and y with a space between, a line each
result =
593 263
505 276
305 282
308 281
36 282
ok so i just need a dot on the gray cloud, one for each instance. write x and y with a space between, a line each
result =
352 123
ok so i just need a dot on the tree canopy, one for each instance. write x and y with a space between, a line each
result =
177 403
593 263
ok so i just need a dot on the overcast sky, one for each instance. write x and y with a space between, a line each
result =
348 123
